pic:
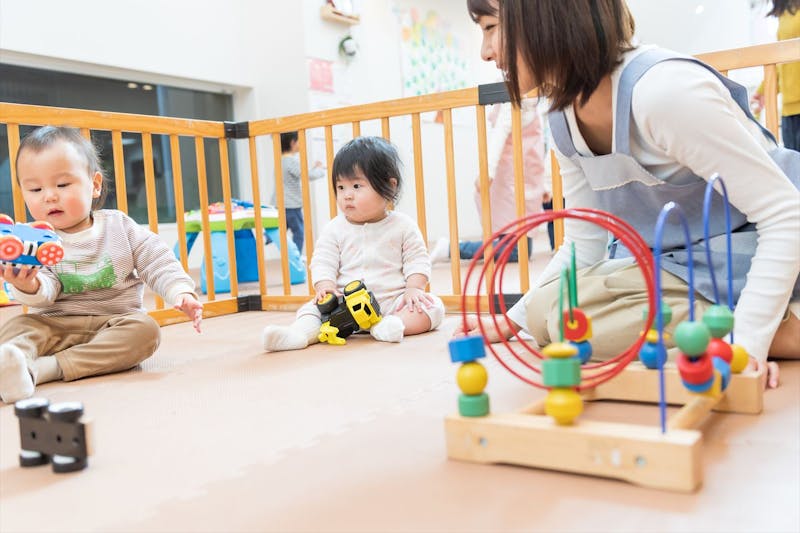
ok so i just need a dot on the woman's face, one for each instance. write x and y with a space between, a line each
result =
492 50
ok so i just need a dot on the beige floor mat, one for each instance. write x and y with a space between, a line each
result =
211 434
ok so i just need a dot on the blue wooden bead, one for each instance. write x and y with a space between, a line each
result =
724 369
649 352
584 350
466 349
702 387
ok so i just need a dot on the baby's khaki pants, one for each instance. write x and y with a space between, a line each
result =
84 345
613 298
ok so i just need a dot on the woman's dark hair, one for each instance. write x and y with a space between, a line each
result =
286 140
481 8
568 45
378 161
779 7
47 136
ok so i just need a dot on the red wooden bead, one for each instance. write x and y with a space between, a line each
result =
721 349
579 328
695 371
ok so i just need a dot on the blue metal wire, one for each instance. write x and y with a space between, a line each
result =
709 197
662 350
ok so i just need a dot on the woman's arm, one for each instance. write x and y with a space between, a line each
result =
682 109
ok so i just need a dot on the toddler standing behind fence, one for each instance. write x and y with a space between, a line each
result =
88 317
369 243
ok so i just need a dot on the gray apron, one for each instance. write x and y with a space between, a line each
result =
624 188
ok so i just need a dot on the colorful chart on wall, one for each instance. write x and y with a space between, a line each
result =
433 58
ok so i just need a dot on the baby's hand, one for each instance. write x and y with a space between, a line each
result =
771 372
24 279
415 299
325 287
191 308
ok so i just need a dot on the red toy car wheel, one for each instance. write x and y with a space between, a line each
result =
50 253
42 224
10 247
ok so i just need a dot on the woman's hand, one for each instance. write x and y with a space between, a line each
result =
415 299
771 371
189 305
24 279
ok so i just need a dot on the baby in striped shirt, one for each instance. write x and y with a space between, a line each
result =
87 317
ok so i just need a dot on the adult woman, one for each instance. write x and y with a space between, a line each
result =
636 127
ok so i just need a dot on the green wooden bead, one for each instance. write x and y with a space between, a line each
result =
473 405
558 372
666 314
692 337
719 320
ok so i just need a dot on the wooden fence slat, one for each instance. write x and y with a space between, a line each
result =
418 175
307 209
226 200
332 208
104 120
177 187
150 189
259 223
16 193
281 201
519 195
452 204
119 171
205 225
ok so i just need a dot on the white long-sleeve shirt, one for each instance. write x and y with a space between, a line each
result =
705 133
104 268
382 254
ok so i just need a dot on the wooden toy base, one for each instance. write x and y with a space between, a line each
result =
634 453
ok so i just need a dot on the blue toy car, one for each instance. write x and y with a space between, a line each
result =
35 244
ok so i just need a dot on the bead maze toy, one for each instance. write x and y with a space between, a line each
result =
357 310
708 375
56 434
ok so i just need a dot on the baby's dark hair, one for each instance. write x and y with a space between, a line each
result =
47 136
378 161
286 140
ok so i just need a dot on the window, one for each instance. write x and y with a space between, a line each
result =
25 85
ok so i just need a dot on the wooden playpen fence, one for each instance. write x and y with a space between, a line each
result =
13 116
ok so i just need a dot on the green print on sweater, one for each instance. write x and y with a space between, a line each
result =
74 283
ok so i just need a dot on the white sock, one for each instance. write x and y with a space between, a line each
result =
16 382
303 332
389 329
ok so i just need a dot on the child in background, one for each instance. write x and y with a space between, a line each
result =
292 185
627 145
502 189
367 242
88 317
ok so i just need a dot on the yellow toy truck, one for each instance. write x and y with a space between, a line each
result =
357 310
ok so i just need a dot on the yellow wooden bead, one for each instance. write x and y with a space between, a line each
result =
739 360
563 405
472 378
652 336
560 349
